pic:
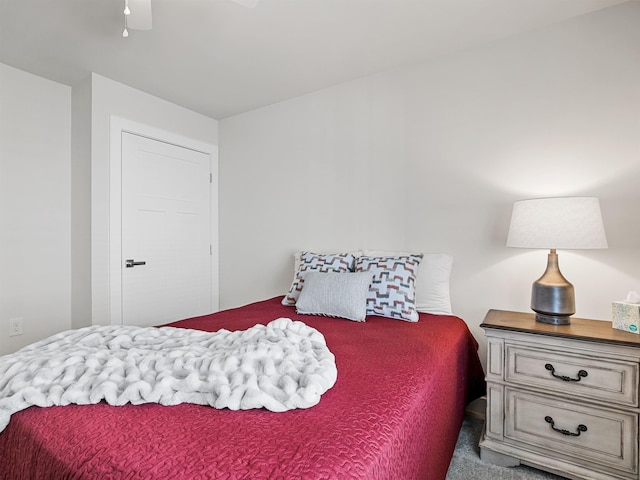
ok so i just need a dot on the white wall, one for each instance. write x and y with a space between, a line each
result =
54 186
81 204
35 136
110 98
430 158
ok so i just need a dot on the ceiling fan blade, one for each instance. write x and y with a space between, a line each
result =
140 17
246 3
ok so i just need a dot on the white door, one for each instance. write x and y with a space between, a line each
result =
166 232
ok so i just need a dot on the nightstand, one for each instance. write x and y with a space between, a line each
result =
562 398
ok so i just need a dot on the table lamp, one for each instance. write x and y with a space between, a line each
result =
556 223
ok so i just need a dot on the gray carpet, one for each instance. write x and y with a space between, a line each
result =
466 463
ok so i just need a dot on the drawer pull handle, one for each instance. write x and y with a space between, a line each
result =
581 428
581 374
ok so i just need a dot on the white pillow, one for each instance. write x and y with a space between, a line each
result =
432 285
341 295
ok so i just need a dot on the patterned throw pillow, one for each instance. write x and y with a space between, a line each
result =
318 263
392 293
432 283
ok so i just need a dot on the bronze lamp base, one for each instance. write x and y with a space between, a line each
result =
552 296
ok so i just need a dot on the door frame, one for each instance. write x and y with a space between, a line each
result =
117 126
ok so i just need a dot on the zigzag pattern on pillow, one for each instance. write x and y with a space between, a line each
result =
392 292
317 263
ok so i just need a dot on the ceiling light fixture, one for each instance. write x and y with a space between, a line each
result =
127 12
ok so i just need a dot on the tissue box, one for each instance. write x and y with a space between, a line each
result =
626 316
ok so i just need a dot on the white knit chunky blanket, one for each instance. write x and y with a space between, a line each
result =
280 366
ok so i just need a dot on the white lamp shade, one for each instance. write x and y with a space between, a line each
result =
557 223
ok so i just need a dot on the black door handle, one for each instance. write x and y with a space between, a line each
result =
132 263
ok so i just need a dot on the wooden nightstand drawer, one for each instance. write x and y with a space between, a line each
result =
564 398
587 376
572 432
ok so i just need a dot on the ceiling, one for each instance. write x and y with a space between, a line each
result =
219 58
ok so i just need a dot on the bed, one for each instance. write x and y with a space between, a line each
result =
394 413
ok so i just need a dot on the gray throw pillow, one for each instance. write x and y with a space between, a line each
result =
341 295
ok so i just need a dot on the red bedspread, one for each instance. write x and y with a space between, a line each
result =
394 413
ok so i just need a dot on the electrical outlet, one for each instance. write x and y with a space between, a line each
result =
15 327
